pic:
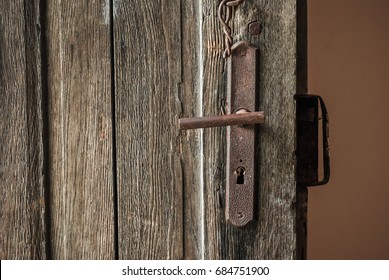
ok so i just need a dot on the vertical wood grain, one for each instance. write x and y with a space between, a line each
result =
192 140
213 96
168 64
273 236
79 100
147 87
22 187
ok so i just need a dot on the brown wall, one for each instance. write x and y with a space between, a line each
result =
349 66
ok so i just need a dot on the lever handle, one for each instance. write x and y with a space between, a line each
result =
241 117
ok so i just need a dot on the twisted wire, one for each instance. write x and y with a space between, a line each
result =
225 8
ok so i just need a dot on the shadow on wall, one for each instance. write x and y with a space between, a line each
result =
348 51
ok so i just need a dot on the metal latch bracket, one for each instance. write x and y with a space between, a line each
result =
308 148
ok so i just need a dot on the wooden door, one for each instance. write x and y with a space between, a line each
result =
93 165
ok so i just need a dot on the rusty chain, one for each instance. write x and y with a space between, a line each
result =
225 8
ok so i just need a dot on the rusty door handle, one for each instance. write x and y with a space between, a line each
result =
241 117
242 146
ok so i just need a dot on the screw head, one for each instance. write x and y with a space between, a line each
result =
255 27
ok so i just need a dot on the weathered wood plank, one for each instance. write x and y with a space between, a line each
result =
273 236
80 116
191 141
22 192
213 96
147 85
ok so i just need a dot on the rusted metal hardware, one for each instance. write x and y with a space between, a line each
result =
241 183
307 151
243 118
255 27
224 14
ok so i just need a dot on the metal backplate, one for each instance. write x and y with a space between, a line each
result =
241 162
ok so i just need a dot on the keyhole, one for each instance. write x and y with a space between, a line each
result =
240 173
